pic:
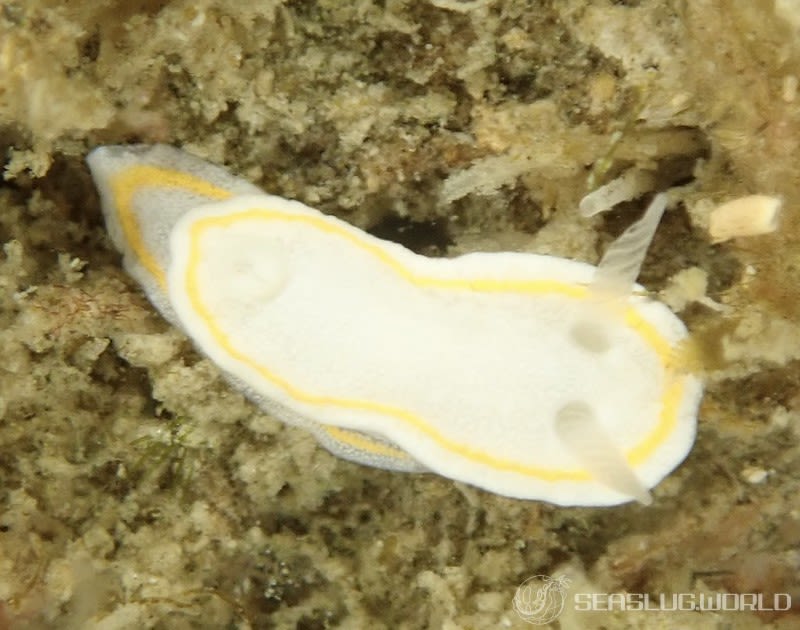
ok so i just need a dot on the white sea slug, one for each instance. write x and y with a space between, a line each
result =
531 376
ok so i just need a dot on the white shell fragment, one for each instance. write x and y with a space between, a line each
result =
505 371
747 216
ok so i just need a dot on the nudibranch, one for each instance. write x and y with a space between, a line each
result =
530 376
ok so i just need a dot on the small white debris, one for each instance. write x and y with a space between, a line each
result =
782 418
688 286
747 216
754 475
71 267
484 177
459 7
789 88
21 296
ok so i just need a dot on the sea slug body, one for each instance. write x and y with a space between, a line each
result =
530 376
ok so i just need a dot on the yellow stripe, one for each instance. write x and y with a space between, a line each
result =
362 442
125 185
129 181
670 400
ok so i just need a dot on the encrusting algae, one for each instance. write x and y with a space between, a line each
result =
480 121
